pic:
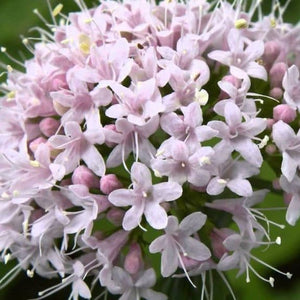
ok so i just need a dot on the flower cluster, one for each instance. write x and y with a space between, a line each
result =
141 128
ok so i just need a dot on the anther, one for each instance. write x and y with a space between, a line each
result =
7 258
240 24
34 163
222 181
56 11
30 273
205 160
278 240
9 68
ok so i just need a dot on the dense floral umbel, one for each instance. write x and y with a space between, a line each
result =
134 117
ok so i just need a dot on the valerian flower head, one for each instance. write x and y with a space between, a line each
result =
133 116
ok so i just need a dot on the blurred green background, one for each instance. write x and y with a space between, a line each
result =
16 19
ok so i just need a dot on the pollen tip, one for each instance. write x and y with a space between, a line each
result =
56 11
241 23
7 257
289 275
278 240
30 273
16 193
9 68
271 281
3 49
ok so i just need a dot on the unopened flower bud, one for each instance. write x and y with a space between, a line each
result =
276 74
287 198
270 123
133 260
231 79
109 183
276 184
66 182
217 238
271 149
83 175
35 143
58 82
115 216
109 142
276 93
284 112
49 126
272 50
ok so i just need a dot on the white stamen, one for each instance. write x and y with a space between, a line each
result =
183 165
145 195
271 280
263 142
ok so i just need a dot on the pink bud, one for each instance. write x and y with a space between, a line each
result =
189 263
276 74
231 79
272 51
111 127
115 216
109 183
217 238
35 143
276 92
166 206
276 184
83 175
133 260
66 182
58 82
49 126
271 149
270 123
287 198
201 189
36 214
284 112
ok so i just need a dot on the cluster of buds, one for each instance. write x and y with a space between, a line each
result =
140 128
